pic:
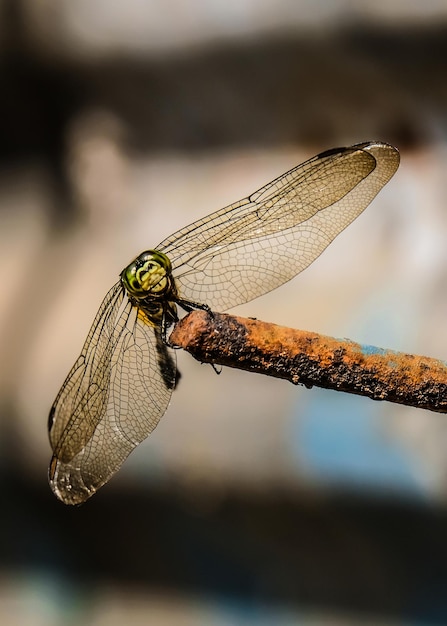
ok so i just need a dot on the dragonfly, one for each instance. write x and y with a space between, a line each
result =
121 384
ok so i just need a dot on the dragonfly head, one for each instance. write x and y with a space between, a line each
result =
148 274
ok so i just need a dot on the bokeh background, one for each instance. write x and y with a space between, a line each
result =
254 502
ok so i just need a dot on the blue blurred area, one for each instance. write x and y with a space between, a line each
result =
341 440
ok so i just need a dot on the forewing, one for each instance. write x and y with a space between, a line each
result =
261 242
112 399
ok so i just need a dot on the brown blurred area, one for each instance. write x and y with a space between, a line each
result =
119 124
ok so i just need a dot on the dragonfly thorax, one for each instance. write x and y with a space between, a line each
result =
149 274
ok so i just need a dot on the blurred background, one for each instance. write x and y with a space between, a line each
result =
254 501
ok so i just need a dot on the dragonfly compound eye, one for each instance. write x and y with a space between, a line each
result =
148 274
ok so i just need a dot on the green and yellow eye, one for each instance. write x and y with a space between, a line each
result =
147 275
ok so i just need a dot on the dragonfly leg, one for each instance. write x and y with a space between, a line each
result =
169 317
189 306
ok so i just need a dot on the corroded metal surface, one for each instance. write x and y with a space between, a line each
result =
310 359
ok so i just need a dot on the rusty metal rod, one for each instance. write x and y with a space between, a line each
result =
310 359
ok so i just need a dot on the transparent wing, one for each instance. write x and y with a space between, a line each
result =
114 396
253 246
